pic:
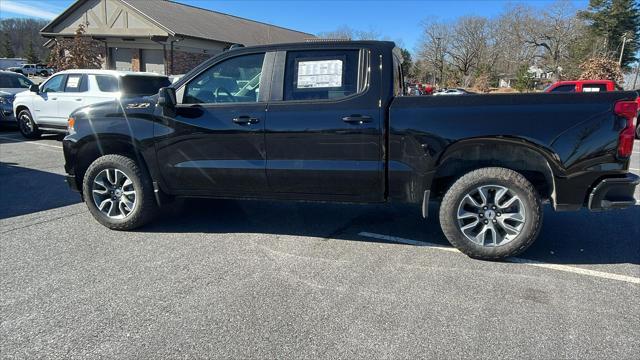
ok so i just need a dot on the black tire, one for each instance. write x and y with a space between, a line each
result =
638 131
145 208
501 177
28 128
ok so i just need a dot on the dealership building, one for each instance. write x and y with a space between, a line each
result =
161 36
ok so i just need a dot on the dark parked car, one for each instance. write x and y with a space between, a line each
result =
10 84
328 122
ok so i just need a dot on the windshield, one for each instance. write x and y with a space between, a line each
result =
143 84
11 81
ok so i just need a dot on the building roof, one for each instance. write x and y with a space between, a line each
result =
185 20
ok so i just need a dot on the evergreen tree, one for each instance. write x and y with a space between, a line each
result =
610 20
7 47
30 54
524 79
407 64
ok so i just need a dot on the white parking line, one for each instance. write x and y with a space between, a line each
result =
30 142
558 267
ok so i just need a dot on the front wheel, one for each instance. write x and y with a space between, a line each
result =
119 193
638 131
27 126
491 213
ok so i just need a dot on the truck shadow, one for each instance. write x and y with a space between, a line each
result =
24 191
566 238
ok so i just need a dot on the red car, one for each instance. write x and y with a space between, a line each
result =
589 86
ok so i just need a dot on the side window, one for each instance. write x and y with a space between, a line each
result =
76 83
55 84
594 88
565 88
107 83
232 80
322 74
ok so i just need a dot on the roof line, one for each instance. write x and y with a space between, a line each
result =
171 32
237 17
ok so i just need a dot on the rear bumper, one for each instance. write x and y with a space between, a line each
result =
613 193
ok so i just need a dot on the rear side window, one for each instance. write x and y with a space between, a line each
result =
143 85
594 88
76 83
107 83
565 88
322 74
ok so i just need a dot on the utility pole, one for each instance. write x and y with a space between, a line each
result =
624 41
437 56
636 78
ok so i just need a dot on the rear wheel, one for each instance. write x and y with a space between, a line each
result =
638 131
27 126
119 193
491 213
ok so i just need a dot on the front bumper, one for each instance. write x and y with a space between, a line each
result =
613 193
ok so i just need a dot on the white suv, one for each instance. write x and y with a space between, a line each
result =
47 107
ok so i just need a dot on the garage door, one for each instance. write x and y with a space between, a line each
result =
152 61
121 58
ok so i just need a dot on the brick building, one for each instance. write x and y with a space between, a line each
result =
161 36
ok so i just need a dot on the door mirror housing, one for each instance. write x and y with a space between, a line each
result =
34 88
167 97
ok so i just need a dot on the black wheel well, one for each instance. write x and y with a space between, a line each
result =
94 149
20 108
531 164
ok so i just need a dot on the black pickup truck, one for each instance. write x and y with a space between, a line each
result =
327 121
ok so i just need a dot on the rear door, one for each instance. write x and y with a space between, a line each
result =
324 127
214 142
72 97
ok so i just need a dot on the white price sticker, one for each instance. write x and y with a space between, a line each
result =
319 74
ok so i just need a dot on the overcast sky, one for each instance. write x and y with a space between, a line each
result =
396 20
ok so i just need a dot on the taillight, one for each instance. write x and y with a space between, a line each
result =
629 111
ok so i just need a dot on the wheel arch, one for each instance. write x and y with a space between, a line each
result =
94 147
531 160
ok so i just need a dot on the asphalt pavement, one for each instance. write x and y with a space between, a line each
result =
260 279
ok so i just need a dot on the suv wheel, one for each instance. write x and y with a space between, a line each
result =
638 130
119 193
491 213
28 127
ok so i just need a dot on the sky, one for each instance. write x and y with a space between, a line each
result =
396 20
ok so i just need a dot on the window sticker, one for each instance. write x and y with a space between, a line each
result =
73 82
319 74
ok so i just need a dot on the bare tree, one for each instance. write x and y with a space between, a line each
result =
80 52
347 33
433 49
467 45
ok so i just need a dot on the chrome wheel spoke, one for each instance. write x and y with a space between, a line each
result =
114 193
481 217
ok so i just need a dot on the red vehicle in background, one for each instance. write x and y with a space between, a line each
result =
583 86
589 86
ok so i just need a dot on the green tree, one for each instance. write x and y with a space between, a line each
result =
407 64
7 47
524 79
609 21
30 54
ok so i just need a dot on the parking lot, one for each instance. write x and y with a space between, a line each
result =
258 279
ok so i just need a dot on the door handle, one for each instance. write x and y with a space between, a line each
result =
53 99
79 99
357 119
244 120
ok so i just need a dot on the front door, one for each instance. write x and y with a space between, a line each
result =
45 105
324 126
214 142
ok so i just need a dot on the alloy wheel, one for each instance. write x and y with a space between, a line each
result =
491 215
25 123
114 194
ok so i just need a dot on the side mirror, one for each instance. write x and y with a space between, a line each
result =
34 88
167 97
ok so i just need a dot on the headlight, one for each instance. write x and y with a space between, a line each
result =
6 100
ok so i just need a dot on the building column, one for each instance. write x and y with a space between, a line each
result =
135 60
